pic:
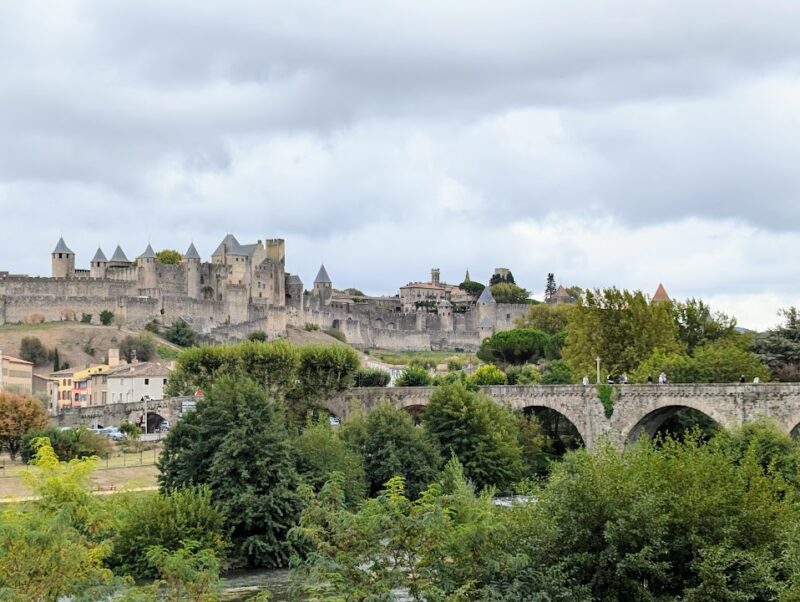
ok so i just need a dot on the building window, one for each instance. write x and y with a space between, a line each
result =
147 381
104 396
165 382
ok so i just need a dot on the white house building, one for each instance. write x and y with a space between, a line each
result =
132 382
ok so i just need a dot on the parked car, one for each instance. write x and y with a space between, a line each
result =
112 432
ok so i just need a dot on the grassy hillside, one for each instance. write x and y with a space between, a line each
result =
78 344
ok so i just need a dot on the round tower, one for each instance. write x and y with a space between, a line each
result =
191 260
146 262
445 311
294 291
63 264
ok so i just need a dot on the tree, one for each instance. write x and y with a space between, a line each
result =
180 334
550 319
169 257
56 360
488 374
257 335
414 376
697 325
32 350
498 278
620 327
320 452
473 288
326 369
517 346
507 292
550 287
19 415
372 377
106 317
480 433
141 347
68 444
235 441
779 347
391 445
727 360
557 372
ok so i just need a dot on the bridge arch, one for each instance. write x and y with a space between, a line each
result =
647 422
571 409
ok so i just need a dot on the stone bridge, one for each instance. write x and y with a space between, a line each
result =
114 414
638 409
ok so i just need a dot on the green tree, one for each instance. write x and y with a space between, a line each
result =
169 521
320 452
473 288
32 350
19 415
550 288
106 317
698 325
180 334
557 372
517 346
372 377
68 444
140 346
236 442
169 257
779 347
550 319
508 292
620 327
523 375
726 360
326 369
56 360
257 335
487 374
414 376
679 368
391 445
480 433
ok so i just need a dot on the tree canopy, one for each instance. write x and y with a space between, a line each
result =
508 292
779 347
516 346
169 257
551 319
19 414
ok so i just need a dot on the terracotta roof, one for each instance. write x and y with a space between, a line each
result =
16 360
141 369
562 292
661 294
64 372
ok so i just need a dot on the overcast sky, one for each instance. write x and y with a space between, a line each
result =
612 143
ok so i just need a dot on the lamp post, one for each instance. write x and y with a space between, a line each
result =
597 359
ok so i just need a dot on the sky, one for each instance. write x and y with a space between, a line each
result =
613 144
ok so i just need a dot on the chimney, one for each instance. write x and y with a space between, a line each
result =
113 358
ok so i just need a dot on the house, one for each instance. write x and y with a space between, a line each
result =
134 382
16 375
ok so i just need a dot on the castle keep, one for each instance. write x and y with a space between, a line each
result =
245 287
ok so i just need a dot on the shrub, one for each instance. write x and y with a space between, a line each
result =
153 326
180 333
78 442
523 375
414 376
106 317
487 375
257 335
32 350
168 521
372 377
454 364
336 334
557 372
19 415
86 318
142 345
311 327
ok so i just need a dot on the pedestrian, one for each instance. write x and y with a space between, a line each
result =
623 379
662 378
742 379
585 381
756 380
610 379
649 379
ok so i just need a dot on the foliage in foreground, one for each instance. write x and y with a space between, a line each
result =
19 415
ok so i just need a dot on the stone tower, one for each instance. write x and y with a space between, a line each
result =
294 292
146 262
191 260
486 307
445 311
63 263
99 264
276 252
435 274
323 287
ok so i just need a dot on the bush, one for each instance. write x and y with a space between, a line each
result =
153 326
32 350
414 376
257 335
454 364
487 375
311 327
78 442
180 334
168 521
372 377
142 345
19 415
336 334
86 318
557 372
523 375
106 317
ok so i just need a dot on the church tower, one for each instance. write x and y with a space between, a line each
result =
63 263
